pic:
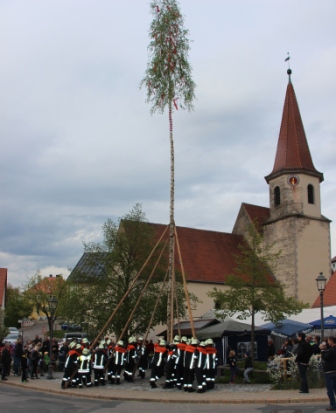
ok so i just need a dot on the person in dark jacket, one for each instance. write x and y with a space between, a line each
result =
302 359
24 366
270 349
316 345
6 361
248 367
329 368
17 354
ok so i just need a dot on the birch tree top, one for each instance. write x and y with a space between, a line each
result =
168 76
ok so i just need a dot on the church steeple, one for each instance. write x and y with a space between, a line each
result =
292 155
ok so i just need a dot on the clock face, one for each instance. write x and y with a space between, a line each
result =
293 180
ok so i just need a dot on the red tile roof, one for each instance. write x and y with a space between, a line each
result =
256 212
329 295
293 153
3 285
46 284
208 256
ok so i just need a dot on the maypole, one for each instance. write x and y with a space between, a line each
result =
169 84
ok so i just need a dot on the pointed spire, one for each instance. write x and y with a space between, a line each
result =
293 154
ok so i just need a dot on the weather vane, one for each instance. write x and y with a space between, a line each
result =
287 60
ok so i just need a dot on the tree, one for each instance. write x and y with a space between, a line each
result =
169 84
107 271
17 306
252 288
38 290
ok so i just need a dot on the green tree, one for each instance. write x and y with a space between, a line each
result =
107 271
252 287
17 306
169 85
38 290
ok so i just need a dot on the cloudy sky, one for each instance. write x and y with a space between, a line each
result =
78 143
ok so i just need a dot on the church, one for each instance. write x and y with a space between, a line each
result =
292 222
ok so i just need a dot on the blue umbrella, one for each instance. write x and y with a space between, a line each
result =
287 328
328 322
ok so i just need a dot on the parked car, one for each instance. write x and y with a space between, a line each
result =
11 338
78 336
71 327
13 330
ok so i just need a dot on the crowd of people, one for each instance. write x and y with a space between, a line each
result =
181 361
30 360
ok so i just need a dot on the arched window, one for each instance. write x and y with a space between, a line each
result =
310 192
277 195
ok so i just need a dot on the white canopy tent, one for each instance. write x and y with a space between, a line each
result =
307 315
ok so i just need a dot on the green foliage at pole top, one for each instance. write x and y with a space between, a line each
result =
168 75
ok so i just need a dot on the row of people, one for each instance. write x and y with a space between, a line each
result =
181 361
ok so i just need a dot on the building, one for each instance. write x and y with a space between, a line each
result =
293 223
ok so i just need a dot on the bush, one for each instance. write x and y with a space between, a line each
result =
286 376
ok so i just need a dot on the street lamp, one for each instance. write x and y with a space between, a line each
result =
321 285
52 308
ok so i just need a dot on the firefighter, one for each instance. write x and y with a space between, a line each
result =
200 365
99 361
143 357
110 362
190 358
170 366
119 359
84 369
180 348
211 363
160 353
131 356
70 365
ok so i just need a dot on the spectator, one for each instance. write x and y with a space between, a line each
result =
316 345
329 368
17 354
6 361
303 356
248 367
270 349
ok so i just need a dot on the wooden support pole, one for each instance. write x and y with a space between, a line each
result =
127 292
156 305
142 292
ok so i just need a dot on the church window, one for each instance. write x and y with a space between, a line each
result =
310 191
277 195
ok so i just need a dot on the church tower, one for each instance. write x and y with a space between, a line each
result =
296 224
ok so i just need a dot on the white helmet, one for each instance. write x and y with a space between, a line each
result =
162 342
177 339
120 343
194 341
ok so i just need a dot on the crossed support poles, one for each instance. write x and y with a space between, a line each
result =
169 282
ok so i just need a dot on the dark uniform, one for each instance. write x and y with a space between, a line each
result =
99 361
70 365
190 358
179 370
119 361
131 356
200 367
84 369
160 353
143 358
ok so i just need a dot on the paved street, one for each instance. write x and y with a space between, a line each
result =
18 400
